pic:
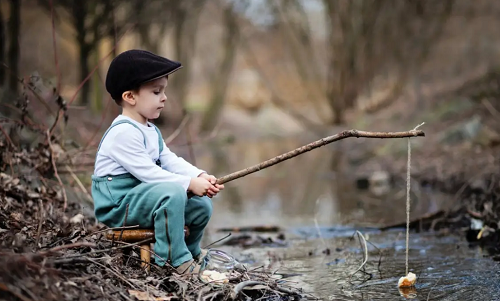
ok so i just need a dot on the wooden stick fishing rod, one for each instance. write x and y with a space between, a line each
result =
313 145
316 144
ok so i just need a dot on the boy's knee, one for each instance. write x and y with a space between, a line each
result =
206 207
174 192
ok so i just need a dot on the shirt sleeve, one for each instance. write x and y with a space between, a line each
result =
129 151
171 162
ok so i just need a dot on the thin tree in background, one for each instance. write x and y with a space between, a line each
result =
368 38
2 47
364 41
92 22
153 21
221 79
14 28
186 18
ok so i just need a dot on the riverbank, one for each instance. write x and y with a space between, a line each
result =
459 156
50 253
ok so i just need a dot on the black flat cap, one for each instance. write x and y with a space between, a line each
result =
131 68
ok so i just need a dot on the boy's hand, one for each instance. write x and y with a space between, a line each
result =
215 187
200 186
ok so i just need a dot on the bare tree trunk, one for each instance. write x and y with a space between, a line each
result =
182 78
84 49
84 71
114 34
337 105
13 55
187 16
335 76
298 35
221 80
2 48
143 28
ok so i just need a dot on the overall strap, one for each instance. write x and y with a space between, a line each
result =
160 139
117 123
160 144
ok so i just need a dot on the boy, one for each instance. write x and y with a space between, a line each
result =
137 179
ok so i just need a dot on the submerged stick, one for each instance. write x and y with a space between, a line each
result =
362 241
316 144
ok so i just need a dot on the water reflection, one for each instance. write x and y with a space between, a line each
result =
319 185
446 268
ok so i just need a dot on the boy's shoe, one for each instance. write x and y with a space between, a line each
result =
202 254
188 267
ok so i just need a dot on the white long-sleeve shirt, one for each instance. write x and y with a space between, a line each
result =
123 151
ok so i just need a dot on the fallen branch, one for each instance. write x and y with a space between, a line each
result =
75 245
316 144
114 273
212 296
238 288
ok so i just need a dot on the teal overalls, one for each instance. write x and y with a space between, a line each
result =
162 206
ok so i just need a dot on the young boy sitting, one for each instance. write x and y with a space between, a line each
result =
137 179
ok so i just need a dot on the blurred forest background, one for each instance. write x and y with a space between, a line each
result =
261 78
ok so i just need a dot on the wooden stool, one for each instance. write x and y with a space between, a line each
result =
137 235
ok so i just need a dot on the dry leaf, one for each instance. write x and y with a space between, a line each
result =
77 219
16 216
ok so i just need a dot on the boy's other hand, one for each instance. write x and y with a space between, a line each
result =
210 178
215 187
200 186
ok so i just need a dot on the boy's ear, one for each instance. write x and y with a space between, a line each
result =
129 97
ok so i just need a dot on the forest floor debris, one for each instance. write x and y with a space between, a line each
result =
48 253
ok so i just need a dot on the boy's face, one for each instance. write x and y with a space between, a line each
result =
150 99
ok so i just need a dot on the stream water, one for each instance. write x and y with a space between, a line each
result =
446 267
314 199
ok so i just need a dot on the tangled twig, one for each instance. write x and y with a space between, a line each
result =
65 198
362 241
